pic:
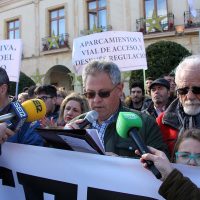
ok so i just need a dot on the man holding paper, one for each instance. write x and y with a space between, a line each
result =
103 89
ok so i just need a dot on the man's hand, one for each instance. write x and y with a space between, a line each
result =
4 132
159 159
74 124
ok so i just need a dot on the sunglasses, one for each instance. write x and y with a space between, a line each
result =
185 90
101 93
44 98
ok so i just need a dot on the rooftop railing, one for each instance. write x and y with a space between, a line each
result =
96 30
167 24
191 21
55 42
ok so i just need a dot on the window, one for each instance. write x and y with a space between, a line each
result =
96 14
159 6
154 9
57 22
13 31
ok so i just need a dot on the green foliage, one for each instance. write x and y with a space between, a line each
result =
162 58
24 81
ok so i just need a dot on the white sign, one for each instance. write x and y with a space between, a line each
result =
10 57
126 49
37 171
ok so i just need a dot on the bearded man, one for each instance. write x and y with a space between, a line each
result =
184 112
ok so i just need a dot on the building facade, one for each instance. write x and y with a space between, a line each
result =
48 27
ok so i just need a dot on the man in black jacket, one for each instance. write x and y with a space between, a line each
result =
103 89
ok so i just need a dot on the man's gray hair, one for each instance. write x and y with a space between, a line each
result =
102 66
191 63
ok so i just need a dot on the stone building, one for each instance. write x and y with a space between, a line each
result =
48 27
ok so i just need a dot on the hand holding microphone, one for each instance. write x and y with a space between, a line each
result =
29 111
90 117
127 125
5 132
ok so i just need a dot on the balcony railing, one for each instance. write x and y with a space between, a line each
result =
96 30
166 24
55 42
191 21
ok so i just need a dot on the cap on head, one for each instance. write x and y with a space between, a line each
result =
160 81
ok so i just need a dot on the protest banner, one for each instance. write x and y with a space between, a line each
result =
126 49
61 174
10 57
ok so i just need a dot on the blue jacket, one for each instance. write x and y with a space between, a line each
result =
27 134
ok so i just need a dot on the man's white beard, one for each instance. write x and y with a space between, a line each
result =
191 108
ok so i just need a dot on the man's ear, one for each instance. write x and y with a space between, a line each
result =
54 99
120 88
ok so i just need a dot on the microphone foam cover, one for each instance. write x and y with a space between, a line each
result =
92 116
126 121
35 109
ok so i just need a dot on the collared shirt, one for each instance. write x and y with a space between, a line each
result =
101 128
158 111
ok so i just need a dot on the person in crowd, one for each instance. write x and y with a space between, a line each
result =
187 148
136 98
48 93
187 151
72 106
27 133
22 97
61 94
103 89
31 92
171 78
184 112
148 82
160 92
25 89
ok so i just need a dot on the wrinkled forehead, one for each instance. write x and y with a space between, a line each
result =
189 76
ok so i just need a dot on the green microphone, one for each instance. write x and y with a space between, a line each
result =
128 124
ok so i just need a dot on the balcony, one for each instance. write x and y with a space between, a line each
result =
190 21
167 24
55 42
96 30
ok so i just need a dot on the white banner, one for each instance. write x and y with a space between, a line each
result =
126 49
38 171
10 57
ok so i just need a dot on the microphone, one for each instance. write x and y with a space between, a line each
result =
128 124
28 111
90 117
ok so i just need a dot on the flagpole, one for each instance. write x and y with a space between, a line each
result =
16 90
144 79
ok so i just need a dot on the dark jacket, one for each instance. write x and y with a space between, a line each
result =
151 110
178 187
125 147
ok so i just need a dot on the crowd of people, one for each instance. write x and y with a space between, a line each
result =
169 108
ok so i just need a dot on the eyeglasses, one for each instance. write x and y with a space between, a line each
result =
185 157
44 98
101 93
185 90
